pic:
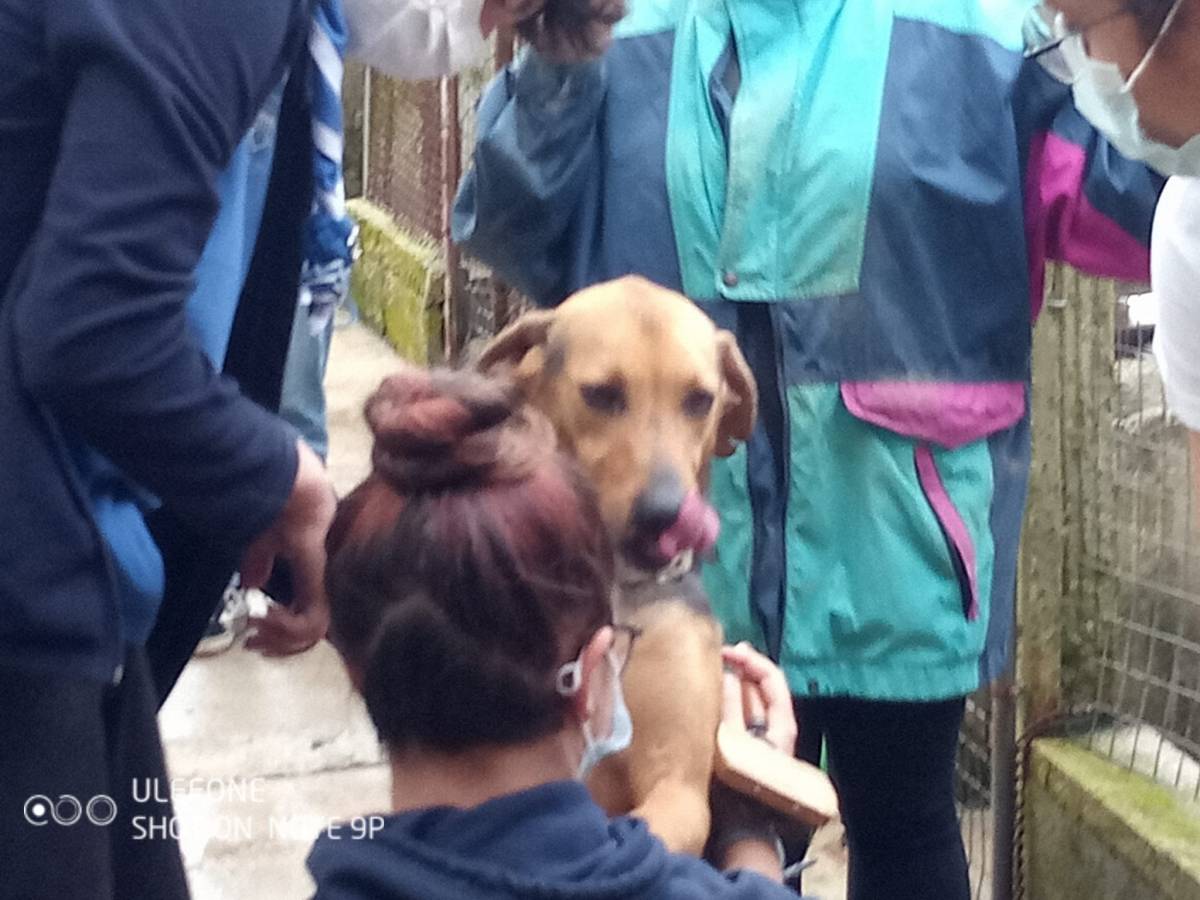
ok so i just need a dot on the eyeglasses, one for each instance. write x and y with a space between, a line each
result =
570 675
1045 33
624 637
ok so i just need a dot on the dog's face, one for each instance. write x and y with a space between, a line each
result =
643 390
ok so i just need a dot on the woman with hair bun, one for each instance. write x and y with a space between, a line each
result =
469 579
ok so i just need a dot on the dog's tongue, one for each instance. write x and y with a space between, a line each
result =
695 529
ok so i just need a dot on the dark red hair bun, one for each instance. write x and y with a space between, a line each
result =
441 429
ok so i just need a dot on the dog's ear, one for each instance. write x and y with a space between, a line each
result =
511 346
740 406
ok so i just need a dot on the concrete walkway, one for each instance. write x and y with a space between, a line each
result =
265 753
283 746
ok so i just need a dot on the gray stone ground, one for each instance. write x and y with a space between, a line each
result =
283 746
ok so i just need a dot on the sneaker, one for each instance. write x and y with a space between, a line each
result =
235 608
217 638
228 621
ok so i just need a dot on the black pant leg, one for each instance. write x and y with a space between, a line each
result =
893 764
145 851
52 755
796 840
73 754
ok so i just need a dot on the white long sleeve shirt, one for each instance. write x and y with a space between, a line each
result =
416 38
1175 275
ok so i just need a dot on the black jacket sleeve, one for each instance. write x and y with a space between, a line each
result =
156 96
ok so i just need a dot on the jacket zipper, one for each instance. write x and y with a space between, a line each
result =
786 449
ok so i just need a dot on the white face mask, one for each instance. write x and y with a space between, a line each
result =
620 734
1105 97
416 38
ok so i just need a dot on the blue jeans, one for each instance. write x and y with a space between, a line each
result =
302 400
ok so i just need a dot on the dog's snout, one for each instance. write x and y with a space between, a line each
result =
657 507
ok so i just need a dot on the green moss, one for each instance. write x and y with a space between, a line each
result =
1147 827
398 283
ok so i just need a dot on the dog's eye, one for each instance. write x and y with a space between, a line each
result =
604 398
697 402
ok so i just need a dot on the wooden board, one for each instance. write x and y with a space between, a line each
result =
753 767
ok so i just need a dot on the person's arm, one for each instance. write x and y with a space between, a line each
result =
536 156
156 96
757 699
1086 205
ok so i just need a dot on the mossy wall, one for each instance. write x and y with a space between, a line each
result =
1096 831
398 284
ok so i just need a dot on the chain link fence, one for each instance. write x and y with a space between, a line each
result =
490 303
1132 650
1110 603
403 151
407 145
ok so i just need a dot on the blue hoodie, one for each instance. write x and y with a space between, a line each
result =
550 841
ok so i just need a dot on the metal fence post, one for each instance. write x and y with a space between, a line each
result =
1042 586
456 314
366 131
1004 785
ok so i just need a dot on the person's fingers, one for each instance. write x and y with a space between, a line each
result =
731 701
753 664
298 535
782 729
735 654
282 632
769 683
276 642
756 667
490 16
755 707
582 40
270 636
506 13
523 9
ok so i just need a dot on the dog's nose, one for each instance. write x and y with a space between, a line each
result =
657 507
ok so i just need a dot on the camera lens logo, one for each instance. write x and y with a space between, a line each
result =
67 810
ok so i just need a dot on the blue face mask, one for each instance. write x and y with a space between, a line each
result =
620 735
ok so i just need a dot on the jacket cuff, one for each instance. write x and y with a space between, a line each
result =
254 504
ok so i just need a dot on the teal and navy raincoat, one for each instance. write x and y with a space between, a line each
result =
866 193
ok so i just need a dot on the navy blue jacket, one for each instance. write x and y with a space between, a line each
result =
550 841
116 119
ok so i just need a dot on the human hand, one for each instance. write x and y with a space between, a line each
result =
757 698
298 536
561 31
507 13
754 854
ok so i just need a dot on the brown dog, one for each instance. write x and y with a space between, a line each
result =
644 390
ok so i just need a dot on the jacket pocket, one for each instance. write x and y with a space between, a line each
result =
871 578
943 413
948 416
954 527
